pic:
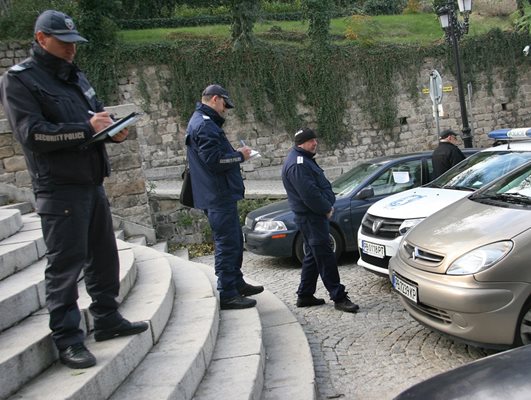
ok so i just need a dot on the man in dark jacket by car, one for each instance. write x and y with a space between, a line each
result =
447 154
48 102
311 198
217 186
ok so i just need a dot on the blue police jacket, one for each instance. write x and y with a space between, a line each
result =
214 163
309 192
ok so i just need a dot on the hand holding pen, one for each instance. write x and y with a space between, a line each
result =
102 120
245 150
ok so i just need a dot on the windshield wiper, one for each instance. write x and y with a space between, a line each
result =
508 197
469 189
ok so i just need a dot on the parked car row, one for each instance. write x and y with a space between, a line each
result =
455 249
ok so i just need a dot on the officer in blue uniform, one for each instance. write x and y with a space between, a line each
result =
217 185
47 100
311 198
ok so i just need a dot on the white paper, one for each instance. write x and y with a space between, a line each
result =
401 176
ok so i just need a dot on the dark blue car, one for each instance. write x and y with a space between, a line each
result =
271 231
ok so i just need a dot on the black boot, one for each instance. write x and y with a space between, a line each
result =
236 303
346 305
309 301
77 356
250 290
124 328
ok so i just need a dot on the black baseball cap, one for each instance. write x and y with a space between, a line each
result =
59 25
446 133
218 90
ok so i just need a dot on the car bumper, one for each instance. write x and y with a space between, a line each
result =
481 313
379 266
275 244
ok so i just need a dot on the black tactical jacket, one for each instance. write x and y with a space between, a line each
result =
46 101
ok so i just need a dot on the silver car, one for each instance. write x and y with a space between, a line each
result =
466 270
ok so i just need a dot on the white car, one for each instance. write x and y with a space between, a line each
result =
387 220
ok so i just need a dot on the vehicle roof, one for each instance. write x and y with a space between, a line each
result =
518 145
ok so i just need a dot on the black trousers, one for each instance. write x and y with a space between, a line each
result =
78 232
320 259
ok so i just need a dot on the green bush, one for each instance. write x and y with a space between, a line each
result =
384 7
20 18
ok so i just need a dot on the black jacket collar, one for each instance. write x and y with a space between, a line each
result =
213 114
56 66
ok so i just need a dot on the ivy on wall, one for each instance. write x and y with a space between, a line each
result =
281 76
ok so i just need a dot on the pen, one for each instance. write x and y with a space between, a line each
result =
242 142
91 112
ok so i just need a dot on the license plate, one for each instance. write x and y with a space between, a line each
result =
405 289
373 249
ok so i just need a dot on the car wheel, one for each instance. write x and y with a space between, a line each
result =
335 240
523 328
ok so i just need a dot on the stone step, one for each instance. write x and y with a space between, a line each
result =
26 349
24 207
10 222
175 366
23 248
237 367
289 369
150 299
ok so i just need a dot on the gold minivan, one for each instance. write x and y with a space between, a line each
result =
466 270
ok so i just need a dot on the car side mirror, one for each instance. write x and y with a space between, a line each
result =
365 193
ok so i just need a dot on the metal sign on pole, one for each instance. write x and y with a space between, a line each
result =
436 94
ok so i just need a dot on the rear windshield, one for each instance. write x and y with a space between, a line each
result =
480 169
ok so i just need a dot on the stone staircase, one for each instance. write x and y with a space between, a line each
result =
193 350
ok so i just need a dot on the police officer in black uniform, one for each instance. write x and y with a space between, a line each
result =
447 154
53 111
217 186
311 198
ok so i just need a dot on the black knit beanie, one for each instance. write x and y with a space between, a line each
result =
304 135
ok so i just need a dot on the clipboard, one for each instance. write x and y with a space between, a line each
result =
114 128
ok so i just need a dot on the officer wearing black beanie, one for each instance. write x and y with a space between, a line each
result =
311 198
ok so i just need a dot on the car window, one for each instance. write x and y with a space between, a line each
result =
399 177
353 178
480 169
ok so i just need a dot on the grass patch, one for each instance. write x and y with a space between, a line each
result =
400 29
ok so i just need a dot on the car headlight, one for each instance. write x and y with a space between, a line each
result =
480 259
270 226
408 224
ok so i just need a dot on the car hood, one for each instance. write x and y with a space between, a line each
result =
466 225
278 210
416 203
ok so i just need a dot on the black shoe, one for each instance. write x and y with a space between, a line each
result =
346 305
250 290
77 356
309 301
124 328
236 303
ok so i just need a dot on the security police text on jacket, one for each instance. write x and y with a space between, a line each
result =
214 163
50 119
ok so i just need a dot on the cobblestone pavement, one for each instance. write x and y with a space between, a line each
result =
371 355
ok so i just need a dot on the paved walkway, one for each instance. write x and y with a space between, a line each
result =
372 355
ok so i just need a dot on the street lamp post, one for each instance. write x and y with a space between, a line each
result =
453 31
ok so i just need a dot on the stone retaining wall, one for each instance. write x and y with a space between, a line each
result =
158 151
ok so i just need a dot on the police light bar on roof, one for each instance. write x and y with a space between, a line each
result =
508 133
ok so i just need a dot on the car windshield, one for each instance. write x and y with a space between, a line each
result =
513 189
480 169
351 179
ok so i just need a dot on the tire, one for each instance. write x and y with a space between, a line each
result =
335 239
523 327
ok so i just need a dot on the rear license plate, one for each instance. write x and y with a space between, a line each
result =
373 249
406 289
